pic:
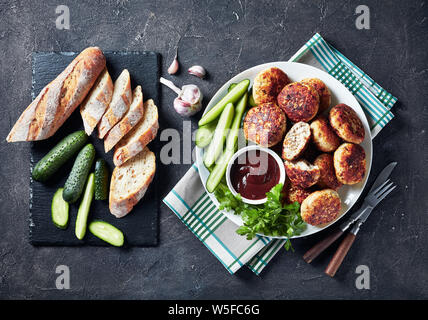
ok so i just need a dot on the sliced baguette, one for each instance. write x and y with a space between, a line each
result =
136 139
119 105
131 118
59 98
129 182
96 102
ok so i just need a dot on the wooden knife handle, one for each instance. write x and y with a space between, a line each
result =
340 254
313 252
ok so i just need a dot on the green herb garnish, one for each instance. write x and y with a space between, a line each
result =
271 218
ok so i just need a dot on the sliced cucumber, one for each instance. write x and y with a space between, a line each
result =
216 146
54 159
59 209
105 231
101 180
231 97
75 183
251 101
218 173
85 205
233 85
205 133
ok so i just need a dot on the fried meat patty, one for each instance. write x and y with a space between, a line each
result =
296 140
323 92
267 85
346 123
349 163
265 124
320 207
301 173
299 101
328 177
323 135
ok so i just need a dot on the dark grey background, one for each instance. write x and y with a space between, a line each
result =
226 37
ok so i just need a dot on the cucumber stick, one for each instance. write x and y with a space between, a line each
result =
101 180
105 231
75 183
217 174
216 146
231 97
82 214
233 85
205 133
232 138
251 101
59 210
58 155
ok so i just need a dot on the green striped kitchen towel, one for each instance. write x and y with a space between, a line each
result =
192 205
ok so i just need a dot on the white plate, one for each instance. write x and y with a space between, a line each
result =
349 194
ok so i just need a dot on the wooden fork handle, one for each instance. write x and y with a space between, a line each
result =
313 252
340 254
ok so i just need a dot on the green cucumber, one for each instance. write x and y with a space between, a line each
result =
218 173
205 133
232 138
75 183
233 85
59 210
105 231
82 214
231 97
101 180
59 155
251 101
216 146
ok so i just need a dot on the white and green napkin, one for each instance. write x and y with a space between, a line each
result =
192 205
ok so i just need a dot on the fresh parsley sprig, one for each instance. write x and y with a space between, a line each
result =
273 218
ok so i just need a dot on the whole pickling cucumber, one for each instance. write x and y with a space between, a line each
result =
59 155
101 180
79 173
231 97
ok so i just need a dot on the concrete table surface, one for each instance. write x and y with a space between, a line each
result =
226 37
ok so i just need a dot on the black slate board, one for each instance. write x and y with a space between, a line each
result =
140 226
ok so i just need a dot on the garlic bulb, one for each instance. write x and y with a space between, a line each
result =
197 71
189 100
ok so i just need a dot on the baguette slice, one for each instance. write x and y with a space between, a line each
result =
60 98
96 102
129 182
135 141
132 117
119 105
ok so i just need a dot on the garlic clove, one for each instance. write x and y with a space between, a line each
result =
173 68
197 71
